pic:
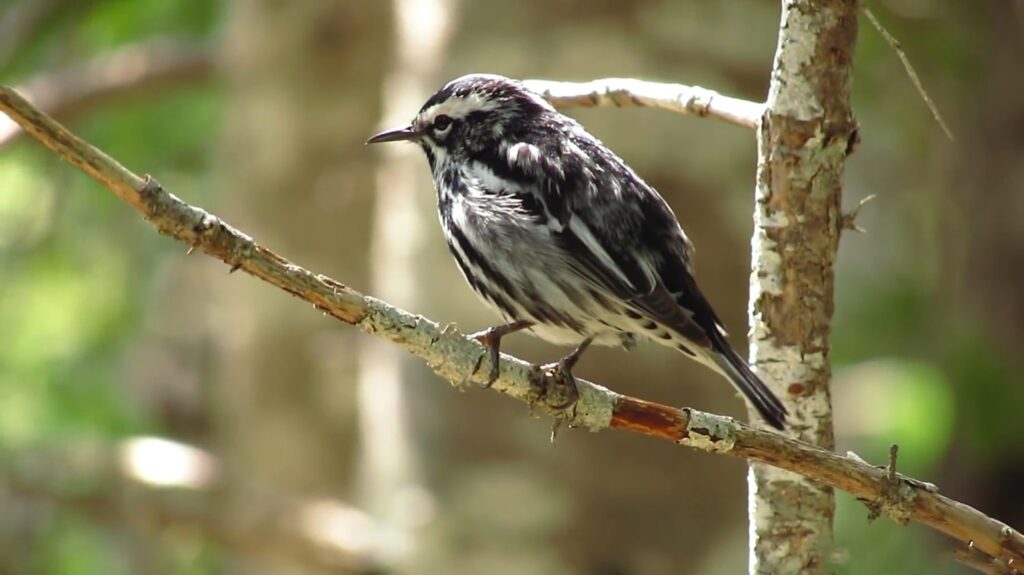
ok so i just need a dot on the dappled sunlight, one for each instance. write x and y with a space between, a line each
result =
165 463
332 524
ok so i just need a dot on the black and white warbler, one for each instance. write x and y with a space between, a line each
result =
559 235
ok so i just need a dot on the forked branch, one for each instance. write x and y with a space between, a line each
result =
453 356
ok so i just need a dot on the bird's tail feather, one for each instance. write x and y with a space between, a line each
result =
731 365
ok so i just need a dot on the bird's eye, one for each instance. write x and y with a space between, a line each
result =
442 124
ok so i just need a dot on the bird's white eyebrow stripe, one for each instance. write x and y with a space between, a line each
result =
460 106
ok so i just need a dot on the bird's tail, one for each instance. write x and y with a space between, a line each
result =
732 366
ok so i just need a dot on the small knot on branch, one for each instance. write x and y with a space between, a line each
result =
698 100
849 219
151 193
894 494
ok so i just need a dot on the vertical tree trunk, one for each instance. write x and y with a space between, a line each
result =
390 481
803 141
304 82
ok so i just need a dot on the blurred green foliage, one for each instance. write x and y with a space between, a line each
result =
882 547
76 268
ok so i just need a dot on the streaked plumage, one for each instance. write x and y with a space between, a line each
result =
548 225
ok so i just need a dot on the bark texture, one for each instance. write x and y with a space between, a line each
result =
803 140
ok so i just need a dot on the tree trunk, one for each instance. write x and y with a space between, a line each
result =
304 84
803 140
390 483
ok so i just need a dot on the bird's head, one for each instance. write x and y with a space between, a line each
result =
470 114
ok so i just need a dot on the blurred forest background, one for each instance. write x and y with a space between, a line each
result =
158 415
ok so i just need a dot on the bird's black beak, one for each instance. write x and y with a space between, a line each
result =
398 135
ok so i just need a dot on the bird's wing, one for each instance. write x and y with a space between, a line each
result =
621 235
652 256
560 195
615 230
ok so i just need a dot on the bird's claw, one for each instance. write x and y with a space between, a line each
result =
560 391
559 378
492 343
491 339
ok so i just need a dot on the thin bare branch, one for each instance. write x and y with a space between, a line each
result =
848 220
454 357
890 503
895 45
135 69
160 63
627 92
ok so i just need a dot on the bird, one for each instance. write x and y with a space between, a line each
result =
560 236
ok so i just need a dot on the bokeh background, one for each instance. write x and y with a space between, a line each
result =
158 415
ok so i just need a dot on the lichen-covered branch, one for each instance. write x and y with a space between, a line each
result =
455 357
627 92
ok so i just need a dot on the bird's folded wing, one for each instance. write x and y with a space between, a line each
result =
634 282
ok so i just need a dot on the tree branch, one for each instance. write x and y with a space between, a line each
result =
911 73
455 357
626 92
131 70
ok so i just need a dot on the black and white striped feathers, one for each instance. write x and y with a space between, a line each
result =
549 225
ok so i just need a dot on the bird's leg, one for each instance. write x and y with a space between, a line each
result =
491 338
561 371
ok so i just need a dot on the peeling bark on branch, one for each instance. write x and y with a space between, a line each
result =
453 356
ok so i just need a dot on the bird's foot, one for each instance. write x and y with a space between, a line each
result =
491 338
560 392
